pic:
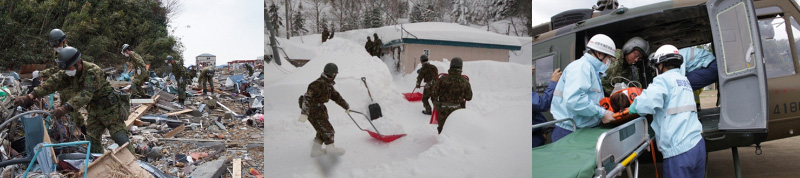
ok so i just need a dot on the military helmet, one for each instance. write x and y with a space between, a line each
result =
423 58
68 57
331 69
456 63
169 57
636 43
124 47
56 37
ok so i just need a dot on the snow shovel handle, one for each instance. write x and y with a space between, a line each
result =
364 79
370 121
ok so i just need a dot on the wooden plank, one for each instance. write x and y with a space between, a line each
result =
136 114
142 101
175 131
237 168
179 112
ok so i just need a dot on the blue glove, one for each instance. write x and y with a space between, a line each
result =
632 108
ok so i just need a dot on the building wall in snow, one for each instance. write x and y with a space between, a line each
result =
409 58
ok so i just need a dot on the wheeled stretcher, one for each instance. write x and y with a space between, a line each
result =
593 152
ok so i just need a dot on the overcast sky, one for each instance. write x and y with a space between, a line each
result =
231 30
544 9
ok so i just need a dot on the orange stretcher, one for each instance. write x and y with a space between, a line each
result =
622 116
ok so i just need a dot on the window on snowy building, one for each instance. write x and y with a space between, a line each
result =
426 52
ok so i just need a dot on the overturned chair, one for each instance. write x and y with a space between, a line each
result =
592 152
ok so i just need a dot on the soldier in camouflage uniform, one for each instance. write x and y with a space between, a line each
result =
58 40
249 69
192 73
180 77
629 65
94 92
426 73
451 92
368 46
140 68
376 45
313 109
207 75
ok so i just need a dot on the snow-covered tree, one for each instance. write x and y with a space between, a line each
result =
460 13
373 19
276 19
422 13
299 24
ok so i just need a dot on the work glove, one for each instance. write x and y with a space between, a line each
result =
417 86
347 111
632 108
61 111
303 118
24 101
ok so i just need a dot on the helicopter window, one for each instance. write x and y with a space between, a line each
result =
796 34
544 69
775 44
735 39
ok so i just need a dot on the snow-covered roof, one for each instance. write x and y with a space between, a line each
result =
439 33
206 55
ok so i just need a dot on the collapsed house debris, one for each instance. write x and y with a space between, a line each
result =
207 136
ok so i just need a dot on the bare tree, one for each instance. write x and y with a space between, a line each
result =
288 5
317 7
174 8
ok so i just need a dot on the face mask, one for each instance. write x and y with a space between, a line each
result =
58 49
125 54
71 72
603 68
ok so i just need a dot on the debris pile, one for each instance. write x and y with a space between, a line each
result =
206 136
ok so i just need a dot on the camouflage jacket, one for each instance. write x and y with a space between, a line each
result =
321 90
178 70
206 71
427 73
88 85
452 89
618 68
137 62
192 73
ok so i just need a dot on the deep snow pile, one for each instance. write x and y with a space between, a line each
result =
490 138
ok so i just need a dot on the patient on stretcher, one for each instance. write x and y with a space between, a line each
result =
618 102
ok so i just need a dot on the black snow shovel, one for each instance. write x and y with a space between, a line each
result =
374 108
376 134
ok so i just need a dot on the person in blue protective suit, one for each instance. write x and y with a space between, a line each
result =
541 103
678 132
699 66
579 92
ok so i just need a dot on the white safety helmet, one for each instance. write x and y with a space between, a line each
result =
602 43
666 53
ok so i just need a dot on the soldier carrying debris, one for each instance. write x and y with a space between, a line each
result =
313 109
451 92
207 75
102 102
141 74
426 73
180 77
58 40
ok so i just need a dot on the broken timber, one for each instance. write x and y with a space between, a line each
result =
135 115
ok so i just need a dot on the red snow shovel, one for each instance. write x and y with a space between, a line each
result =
376 134
413 96
435 117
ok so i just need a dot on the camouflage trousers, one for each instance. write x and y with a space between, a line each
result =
181 81
425 97
105 114
203 80
318 116
444 111
138 81
77 119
